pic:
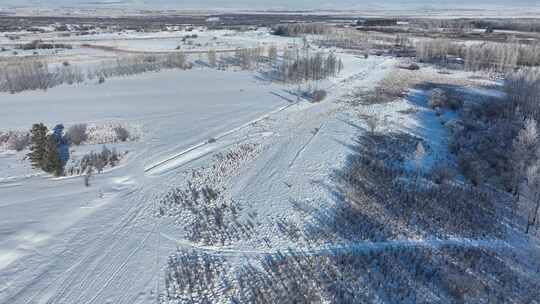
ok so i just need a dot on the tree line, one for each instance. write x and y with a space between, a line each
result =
486 56
300 68
39 75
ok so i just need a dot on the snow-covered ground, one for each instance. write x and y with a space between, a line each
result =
250 141
64 242
105 44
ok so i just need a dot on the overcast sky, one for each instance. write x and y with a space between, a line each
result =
274 4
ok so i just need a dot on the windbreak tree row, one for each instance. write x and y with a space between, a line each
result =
486 56
39 75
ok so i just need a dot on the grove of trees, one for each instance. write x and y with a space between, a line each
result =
32 74
500 57
497 142
48 151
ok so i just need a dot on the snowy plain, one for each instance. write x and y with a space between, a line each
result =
82 244
62 242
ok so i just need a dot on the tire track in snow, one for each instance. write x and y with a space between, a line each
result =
347 248
150 169
347 81
121 268
92 258
314 134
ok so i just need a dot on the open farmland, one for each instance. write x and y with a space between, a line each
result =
269 158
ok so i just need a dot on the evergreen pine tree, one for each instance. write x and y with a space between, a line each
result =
38 145
52 162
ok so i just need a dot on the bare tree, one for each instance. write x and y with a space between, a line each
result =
372 123
419 155
272 53
524 152
87 176
212 58
533 184
77 133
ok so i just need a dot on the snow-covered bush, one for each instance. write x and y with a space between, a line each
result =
95 162
111 133
14 140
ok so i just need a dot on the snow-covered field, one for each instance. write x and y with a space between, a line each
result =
105 44
222 162
99 236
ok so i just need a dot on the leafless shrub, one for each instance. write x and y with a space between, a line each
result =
442 173
94 162
411 67
212 58
68 74
438 98
87 177
25 75
372 123
193 277
122 134
208 214
378 189
318 95
32 74
306 68
351 274
137 64
77 133
14 140
272 53
484 136
214 217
